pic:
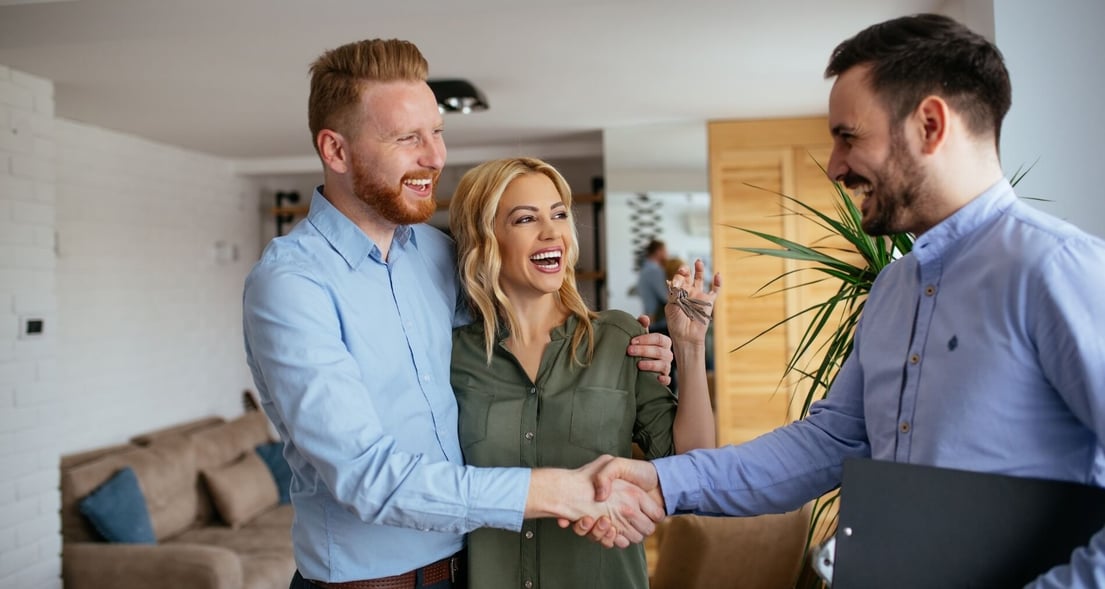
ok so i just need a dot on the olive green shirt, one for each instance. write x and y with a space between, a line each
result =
568 417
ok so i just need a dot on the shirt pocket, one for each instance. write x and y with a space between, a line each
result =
472 409
599 420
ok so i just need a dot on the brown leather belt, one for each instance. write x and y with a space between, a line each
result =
446 569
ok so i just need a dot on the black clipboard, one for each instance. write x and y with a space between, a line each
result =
908 526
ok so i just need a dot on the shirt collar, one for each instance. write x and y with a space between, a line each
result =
346 238
978 212
562 331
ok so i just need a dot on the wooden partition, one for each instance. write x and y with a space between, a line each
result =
751 162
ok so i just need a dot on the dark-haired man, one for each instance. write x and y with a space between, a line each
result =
980 350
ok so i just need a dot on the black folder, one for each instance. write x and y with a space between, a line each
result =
906 526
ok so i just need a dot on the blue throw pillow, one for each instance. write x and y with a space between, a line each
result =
117 509
273 456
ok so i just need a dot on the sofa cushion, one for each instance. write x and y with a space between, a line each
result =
264 547
180 429
117 509
250 538
166 472
704 552
279 519
242 489
95 565
224 443
273 455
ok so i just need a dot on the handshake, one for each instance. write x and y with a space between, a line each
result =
613 501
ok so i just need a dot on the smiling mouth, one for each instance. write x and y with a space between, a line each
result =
547 261
419 185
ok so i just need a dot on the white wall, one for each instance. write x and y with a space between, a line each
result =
669 157
142 311
668 163
29 392
154 243
682 223
1053 53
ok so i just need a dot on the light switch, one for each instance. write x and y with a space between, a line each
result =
31 327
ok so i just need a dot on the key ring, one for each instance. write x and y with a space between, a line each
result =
696 309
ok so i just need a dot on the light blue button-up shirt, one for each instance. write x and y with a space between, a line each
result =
350 354
981 350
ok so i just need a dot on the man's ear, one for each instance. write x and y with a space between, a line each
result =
932 117
332 148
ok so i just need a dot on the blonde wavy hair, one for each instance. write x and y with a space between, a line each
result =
472 213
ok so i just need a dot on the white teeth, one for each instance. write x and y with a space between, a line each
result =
419 182
545 256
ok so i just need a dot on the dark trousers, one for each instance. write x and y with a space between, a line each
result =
298 582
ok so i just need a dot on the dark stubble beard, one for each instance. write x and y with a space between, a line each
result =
387 199
899 186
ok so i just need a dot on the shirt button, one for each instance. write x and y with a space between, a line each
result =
904 427
914 358
425 378
529 435
930 290
533 390
529 534
528 584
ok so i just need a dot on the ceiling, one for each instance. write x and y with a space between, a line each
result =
229 77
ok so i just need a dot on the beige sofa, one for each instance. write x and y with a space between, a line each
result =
699 552
177 469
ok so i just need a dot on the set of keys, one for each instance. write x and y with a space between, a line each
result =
696 309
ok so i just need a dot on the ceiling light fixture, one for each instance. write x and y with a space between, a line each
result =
457 95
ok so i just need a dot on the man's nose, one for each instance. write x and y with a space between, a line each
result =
837 169
433 154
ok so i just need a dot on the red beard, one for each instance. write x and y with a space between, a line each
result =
387 199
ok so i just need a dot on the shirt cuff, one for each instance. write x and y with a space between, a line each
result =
678 482
498 497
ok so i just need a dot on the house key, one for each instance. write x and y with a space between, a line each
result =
696 309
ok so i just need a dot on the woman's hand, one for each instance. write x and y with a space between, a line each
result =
690 306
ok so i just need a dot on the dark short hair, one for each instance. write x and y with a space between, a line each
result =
929 54
653 246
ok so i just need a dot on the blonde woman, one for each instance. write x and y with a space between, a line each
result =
541 380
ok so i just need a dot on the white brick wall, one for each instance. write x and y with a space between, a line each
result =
149 319
29 438
111 239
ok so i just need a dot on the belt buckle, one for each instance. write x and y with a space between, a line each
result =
454 567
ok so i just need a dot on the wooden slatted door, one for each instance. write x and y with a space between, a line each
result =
743 187
751 163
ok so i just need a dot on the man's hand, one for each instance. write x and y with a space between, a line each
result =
613 478
641 473
655 351
629 514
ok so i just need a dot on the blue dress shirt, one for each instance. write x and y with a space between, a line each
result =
981 350
350 354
